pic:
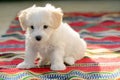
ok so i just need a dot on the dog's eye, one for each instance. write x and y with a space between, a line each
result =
32 27
45 26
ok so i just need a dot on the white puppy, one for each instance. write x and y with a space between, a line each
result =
47 35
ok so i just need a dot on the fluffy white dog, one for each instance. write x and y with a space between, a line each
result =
47 35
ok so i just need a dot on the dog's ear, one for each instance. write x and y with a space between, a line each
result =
57 18
22 17
57 15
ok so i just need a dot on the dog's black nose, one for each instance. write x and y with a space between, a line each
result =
38 38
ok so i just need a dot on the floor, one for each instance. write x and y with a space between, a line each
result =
8 10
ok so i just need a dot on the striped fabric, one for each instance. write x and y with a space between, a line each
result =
101 31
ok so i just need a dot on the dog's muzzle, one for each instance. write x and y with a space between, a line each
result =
38 38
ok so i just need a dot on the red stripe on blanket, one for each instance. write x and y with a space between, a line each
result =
13 62
47 70
12 42
107 38
84 60
94 46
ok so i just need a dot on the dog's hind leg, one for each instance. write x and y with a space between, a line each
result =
69 60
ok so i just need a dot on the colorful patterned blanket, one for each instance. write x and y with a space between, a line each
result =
102 61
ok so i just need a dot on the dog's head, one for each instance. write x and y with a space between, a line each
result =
40 22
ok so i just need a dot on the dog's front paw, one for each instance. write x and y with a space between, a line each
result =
58 67
24 65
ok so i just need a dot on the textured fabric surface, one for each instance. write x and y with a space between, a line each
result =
101 31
